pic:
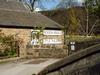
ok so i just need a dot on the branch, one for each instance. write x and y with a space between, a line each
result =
82 28
93 26
28 6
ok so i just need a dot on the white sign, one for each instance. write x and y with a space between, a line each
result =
73 47
53 32
51 41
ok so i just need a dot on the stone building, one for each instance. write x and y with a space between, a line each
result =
15 19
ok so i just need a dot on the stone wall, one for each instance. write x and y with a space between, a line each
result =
48 49
84 62
82 45
47 53
85 44
23 35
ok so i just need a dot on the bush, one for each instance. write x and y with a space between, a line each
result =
8 46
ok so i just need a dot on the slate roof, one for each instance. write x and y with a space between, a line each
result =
12 15
12 5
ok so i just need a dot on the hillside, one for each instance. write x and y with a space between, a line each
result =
62 16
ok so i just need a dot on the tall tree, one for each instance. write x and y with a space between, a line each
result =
92 7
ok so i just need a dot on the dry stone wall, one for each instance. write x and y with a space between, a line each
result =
23 35
84 62
46 51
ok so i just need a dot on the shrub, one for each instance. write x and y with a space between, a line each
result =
7 45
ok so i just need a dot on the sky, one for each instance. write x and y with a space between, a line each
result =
80 1
49 4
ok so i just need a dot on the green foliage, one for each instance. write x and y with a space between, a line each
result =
73 21
80 38
93 6
7 45
96 11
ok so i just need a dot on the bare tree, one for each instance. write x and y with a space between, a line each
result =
90 6
30 5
